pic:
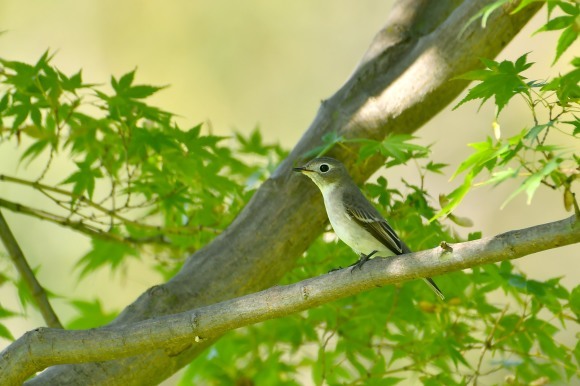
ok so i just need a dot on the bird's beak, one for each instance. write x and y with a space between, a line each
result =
301 169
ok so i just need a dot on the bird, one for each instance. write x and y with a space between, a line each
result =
354 219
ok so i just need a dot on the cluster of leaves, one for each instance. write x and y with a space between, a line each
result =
398 333
138 184
403 332
534 153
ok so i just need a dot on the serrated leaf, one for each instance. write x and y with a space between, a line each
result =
126 81
83 180
34 150
435 167
566 39
556 24
532 183
575 124
500 80
484 152
142 91
104 253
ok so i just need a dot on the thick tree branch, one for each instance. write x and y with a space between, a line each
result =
402 81
38 293
173 333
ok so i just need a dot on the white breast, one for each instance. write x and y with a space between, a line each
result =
347 229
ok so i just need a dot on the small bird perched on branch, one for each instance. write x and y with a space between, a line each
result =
353 218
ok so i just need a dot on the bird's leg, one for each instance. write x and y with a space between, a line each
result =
363 259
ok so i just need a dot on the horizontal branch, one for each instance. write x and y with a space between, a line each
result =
77 225
402 81
93 231
45 347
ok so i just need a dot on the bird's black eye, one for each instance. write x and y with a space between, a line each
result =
324 168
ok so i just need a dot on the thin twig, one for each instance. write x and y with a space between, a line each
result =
19 260
488 344
108 212
79 226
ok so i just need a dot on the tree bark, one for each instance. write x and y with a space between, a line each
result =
174 333
402 81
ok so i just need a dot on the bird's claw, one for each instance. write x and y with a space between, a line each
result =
363 259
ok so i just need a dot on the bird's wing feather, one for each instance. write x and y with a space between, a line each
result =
370 219
375 224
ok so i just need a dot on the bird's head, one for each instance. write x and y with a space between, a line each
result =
326 172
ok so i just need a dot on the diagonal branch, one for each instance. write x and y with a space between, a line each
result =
402 82
173 333
27 275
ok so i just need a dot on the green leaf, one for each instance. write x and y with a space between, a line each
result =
91 315
83 180
534 131
576 124
523 4
104 253
34 150
253 144
4 313
328 140
531 184
500 80
498 177
484 13
575 301
5 332
484 152
556 24
435 167
474 236
386 381
398 147
124 82
455 197
569 8
142 91
567 86
566 39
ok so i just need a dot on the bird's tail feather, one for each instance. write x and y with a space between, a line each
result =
434 287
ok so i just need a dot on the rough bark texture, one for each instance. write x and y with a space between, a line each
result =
45 346
402 81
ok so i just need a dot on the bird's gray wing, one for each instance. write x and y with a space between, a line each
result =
370 219
364 214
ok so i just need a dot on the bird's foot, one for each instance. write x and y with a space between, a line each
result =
363 259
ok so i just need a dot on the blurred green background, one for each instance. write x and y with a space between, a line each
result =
236 65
